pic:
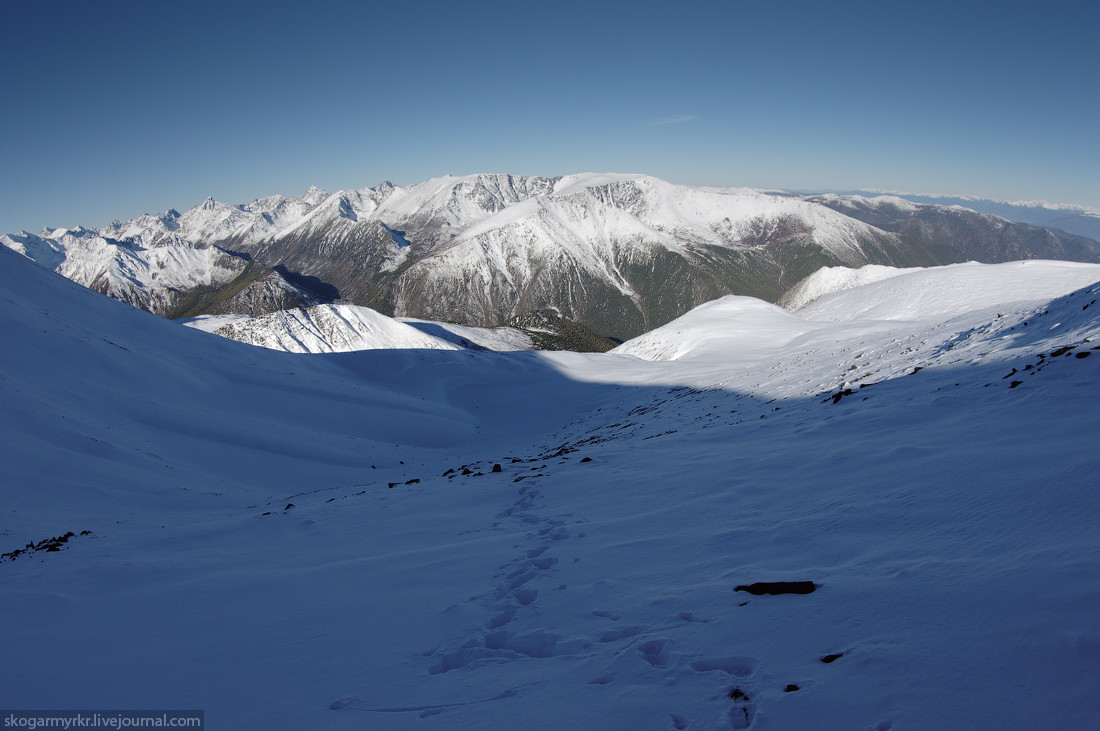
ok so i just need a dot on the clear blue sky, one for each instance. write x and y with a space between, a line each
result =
112 109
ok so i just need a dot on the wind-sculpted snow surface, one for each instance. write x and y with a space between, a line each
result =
404 539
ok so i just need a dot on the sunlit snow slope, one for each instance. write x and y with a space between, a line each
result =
321 541
344 328
329 329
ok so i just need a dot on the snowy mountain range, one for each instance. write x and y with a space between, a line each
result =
873 510
172 277
622 254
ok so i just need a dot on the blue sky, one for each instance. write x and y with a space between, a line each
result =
112 109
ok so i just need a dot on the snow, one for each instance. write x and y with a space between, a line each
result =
741 327
941 291
827 280
211 323
946 515
501 339
345 328
327 329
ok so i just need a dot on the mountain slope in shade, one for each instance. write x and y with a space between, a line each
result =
322 541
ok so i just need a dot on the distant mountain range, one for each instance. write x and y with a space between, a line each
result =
1071 219
621 254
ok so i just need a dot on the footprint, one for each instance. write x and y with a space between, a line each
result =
613 616
535 644
679 722
501 618
525 597
743 711
515 580
543 563
655 652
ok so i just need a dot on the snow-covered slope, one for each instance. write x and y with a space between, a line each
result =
743 328
490 338
834 279
328 329
940 292
163 277
323 541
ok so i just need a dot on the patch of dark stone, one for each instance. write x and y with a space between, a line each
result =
832 658
836 397
739 695
778 587
1014 384
49 545
586 459
497 468
1083 354
288 507
791 687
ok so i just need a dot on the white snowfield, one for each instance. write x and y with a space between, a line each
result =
321 541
